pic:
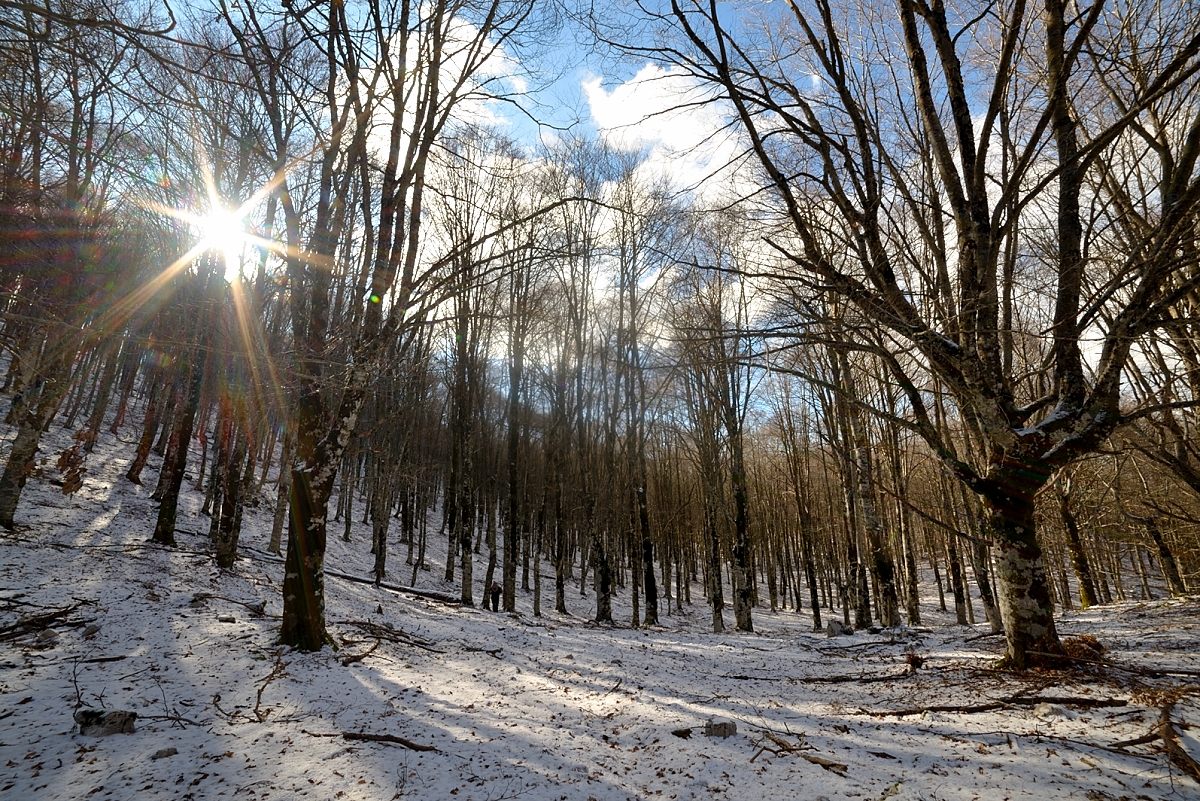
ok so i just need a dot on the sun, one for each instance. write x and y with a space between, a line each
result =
223 231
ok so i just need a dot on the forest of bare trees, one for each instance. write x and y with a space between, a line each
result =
936 325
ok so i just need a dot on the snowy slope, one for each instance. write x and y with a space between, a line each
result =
517 707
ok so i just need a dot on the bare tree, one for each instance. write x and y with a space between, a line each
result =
930 175
405 70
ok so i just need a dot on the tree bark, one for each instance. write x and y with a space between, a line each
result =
1025 601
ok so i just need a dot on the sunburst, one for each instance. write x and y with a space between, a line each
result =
223 230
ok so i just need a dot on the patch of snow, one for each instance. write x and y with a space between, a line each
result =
517 707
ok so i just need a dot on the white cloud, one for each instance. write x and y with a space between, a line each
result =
677 122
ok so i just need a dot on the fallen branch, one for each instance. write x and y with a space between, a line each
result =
257 609
828 764
1153 673
866 678
374 738
494 653
1143 740
385 631
782 747
39 622
277 671
350 660
1004 703
440 597
173 718
1170 736
862 679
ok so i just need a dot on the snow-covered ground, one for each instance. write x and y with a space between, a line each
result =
510 706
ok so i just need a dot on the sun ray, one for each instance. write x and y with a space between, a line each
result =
218 228
258 353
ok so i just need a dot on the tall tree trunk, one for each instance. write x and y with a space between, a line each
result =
107 378
881 557
603 578
716 595
1166 559
1025 601
380 507
981 562
232 479
149 428
129 372
649 583
304 564
1079 559
512 522
489 576
958 582
175 460
282 493
743 590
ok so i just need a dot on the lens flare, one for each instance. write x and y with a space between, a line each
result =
222 230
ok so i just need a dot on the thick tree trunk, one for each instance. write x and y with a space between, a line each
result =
380 520
810 576
489 574
1024 589
560 553
466 523
512 522
304 565
107 378
958 582
20 464
881 558
536 559
129 373
912 594
560 566
149 429
319 452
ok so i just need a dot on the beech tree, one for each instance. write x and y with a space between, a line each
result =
945 174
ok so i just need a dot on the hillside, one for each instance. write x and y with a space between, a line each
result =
490 706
